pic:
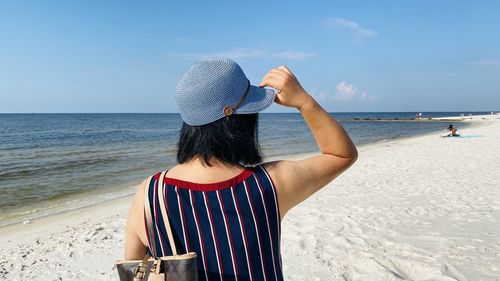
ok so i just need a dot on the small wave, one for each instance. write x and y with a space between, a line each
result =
295 121
25 171
8 148
171 151
72 203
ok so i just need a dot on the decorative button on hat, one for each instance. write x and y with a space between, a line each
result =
214 88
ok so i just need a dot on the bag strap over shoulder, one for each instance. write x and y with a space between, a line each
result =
164 214
149 220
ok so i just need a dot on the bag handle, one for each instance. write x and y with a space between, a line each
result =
164 214
149 220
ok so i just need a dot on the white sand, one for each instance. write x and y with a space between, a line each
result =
425 208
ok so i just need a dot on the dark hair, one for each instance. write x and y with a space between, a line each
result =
232 139
450 127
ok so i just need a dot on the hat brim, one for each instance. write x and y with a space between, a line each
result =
257 100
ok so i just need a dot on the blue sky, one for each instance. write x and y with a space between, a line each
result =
126 56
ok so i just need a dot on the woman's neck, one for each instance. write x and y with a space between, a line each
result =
197 171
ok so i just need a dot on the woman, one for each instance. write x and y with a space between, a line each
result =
453 131
223 203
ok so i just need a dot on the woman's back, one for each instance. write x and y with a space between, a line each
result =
233 225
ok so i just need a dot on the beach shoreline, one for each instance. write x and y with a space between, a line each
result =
99 196
128 190
82 244
61 167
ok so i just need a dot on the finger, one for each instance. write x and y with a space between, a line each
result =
273 71
280 68
285 68
282 72
272 75
272 81
274 68
276 74
279 73
269 80
276 77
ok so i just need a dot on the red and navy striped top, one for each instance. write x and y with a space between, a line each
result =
233 226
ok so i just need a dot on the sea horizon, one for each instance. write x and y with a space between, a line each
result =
477 112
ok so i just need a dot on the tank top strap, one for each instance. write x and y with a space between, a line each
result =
267 183
156 239
272 210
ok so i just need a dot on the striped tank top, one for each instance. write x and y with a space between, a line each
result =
233 226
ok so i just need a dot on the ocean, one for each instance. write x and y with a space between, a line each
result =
55 162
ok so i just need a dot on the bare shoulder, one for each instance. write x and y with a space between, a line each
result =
285 173
281 166
135 220
279 170
281 173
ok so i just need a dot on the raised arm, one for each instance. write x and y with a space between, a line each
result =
297 180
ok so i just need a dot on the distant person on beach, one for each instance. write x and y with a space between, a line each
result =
223 202
453 131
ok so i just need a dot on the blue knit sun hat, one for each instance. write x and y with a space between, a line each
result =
217 87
